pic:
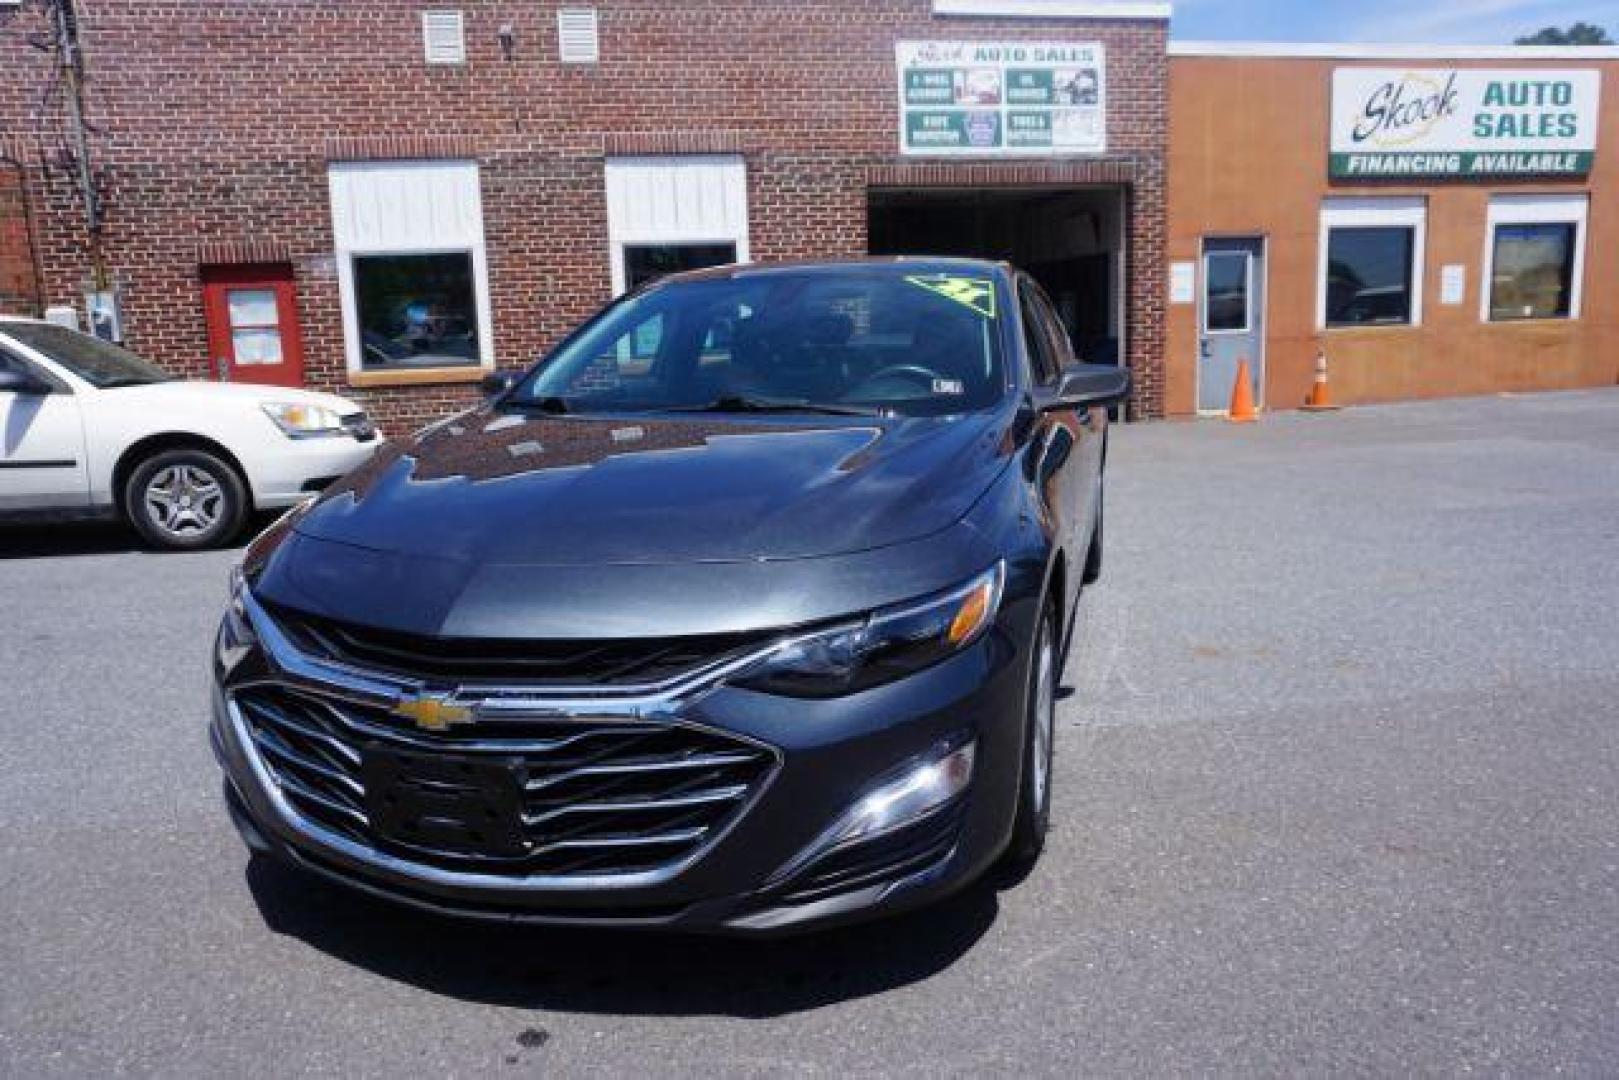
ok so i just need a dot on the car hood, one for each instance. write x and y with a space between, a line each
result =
534 490
198 392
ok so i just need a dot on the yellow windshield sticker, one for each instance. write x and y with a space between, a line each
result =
975 293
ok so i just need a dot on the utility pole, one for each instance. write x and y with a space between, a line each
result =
70 62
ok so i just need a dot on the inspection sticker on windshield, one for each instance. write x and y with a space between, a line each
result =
949 386
975 293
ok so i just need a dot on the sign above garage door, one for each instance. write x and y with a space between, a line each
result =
1389 122
1001 98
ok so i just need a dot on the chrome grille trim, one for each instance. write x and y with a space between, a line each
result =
497 701
307 761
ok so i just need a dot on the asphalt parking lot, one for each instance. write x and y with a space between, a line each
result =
1338 790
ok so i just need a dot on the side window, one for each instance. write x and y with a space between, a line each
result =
1062 349
1037 336
10 362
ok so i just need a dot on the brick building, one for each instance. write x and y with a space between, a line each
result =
387 198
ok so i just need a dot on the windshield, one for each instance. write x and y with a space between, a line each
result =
99 363
878 339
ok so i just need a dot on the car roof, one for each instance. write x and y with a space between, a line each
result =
920 263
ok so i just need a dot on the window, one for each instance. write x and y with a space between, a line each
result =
99 363
1036 335
648 262
1227 276
1371 262
411 269
416 309
1534 257
675 212
883 338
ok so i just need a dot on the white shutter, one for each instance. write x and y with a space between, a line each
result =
444 37
577 38
675 199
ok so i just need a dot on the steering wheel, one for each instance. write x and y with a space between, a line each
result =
903 371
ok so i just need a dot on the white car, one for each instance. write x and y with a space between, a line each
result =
90 429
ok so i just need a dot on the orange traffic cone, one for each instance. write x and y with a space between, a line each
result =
1320 399
1242 396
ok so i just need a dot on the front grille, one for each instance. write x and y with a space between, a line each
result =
359 426
620 662
551 797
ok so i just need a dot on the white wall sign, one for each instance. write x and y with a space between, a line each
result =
1182 283
1452 284
1002 98
1462 122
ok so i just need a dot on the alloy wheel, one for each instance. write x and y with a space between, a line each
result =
184 500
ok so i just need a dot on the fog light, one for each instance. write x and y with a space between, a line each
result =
913 794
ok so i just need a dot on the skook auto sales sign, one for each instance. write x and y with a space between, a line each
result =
1389 123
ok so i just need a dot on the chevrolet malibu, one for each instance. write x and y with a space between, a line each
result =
742 611
89 429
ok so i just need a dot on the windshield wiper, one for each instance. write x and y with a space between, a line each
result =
739 403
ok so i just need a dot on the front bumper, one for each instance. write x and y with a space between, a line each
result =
298 468
752 878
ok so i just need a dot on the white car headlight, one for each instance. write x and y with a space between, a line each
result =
299 420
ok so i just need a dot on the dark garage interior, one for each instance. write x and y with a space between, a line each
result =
1069 239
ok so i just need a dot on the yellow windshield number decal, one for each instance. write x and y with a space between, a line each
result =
975 293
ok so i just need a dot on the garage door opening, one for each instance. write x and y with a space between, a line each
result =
1070 239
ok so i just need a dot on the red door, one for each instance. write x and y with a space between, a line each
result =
253 324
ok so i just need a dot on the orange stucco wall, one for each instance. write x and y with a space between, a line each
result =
1248 142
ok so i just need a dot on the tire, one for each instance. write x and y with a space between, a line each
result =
1034 788
1093 554
185 500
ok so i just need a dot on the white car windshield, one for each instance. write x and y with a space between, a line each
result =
99 363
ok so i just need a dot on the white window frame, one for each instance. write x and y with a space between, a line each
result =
1535 210
722 219
1247 326
451 222
1376 212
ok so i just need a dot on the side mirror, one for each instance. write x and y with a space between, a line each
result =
497 383
1084 385
18 382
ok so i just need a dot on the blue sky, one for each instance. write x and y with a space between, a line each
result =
1471 22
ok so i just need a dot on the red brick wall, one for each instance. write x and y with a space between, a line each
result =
19 291
216 122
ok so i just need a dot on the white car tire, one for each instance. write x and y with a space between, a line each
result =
185 499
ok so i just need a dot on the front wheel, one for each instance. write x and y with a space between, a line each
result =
185 500
1034 790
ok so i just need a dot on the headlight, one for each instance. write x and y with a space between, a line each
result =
890 644
298 420
236 634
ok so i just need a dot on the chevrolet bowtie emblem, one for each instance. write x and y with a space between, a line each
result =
432 713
